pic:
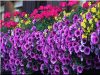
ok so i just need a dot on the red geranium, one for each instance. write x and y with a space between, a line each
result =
86 5
1 23
41 8
23 14
7 15
10 24
71 3
16 13
63 4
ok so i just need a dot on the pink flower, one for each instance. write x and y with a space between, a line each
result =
38 16
7 15
71 3
86 5
16 13
48 7
10 24
1 23
33 13
41 8
58 9
23 14
47 14
63 4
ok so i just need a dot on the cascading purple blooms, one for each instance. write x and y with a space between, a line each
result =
61 50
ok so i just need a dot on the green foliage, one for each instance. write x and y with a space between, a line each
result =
5 29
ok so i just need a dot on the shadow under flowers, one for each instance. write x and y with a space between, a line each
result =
89 72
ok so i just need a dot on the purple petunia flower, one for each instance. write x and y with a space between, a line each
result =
21 71
87 50
33 28
98 31
88 62
71 49
98 24
26 46
77 33
42 67
79 69
81 48
53 60
97 51
75 18
35 68
94 39
88 16
34 21
65 70
57 68
83 41
67 22
76 48
7 67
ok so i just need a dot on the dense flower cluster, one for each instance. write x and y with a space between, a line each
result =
65 48
45 12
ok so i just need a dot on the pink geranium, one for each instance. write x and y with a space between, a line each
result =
48 7
71 3
16 13
86 5
7 15
10 24
34 13
23 14
1 23
45 12
63 4
36 16
41 8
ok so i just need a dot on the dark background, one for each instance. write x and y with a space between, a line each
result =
89 72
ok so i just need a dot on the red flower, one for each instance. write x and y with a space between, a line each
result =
10 24
63 4
71 3
23 14
41 8
7 15
1 23
16 13
53 13
86 5
34 13
48 7
38 16
47 14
